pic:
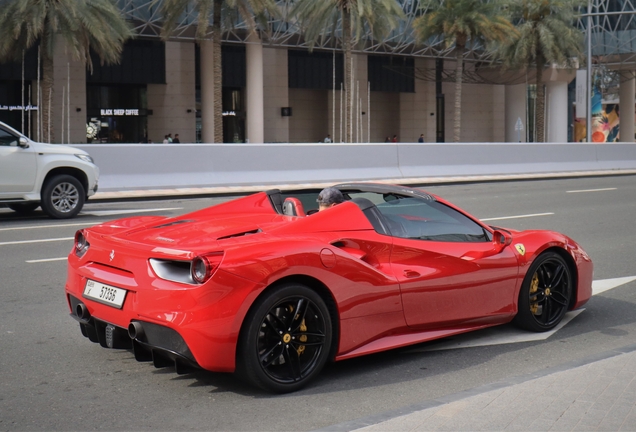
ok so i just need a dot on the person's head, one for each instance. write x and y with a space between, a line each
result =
176 135
329 197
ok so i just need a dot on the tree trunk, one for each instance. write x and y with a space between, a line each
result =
348 73
458 93
218 72
540 102
48 134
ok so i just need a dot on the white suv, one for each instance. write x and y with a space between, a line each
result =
57 177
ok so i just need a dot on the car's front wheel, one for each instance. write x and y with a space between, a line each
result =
286 339
545 293
63 197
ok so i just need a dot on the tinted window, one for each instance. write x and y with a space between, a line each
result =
7 139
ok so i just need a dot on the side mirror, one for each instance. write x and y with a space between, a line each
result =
501 239
22 142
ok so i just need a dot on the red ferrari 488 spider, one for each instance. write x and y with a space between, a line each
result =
266 287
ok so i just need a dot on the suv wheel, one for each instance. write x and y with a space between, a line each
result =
24 208
63 197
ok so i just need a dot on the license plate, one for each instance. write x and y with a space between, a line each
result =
110 295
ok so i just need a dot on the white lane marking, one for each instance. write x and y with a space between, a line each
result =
599 286
36 241
517 217
590 190
94 213
118 212
500 335
43 226
46 260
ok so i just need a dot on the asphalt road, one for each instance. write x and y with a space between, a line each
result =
52 378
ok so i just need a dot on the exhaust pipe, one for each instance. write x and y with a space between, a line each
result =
82 312
135 330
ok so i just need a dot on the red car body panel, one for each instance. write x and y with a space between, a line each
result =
387 291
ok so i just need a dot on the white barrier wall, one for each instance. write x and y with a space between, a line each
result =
159 166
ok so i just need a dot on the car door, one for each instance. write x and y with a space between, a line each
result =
17 165
450 271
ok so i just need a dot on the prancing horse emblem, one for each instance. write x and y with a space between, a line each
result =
112 254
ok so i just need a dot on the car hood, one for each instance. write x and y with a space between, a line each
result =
55 148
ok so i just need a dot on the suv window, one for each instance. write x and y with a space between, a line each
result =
7 139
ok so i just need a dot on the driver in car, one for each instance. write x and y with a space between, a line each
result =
329 197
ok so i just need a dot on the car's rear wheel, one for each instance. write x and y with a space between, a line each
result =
545 293
286 339
63 197
24 208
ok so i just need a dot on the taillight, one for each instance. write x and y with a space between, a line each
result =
81 244
204 266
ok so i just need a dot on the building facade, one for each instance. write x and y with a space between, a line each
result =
276 90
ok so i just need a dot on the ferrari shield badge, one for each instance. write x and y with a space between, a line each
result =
520 248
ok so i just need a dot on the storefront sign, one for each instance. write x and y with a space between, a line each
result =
18 108
229 113
119 112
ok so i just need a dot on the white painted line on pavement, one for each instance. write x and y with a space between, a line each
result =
517 217
599 286
590 190
498 335
45 226
93 213
36 241
46 260
118 212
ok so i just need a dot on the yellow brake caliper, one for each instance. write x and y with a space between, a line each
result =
302 338
534 287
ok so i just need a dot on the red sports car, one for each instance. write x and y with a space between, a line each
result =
266 287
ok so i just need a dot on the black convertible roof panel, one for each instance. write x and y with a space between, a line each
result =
384 188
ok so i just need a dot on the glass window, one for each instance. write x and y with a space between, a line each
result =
7 139
421 219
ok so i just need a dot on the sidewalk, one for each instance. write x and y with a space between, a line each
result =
106 194
595 394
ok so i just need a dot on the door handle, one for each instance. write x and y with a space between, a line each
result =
411 274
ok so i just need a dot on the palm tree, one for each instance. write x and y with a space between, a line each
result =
546 34
84 25
210 13
356 17
460 22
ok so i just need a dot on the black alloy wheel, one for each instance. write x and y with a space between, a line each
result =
545 293
286 339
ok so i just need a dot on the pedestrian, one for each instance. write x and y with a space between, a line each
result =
421 138
394 138
387 139
169 138
165 139
176 139
328 139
